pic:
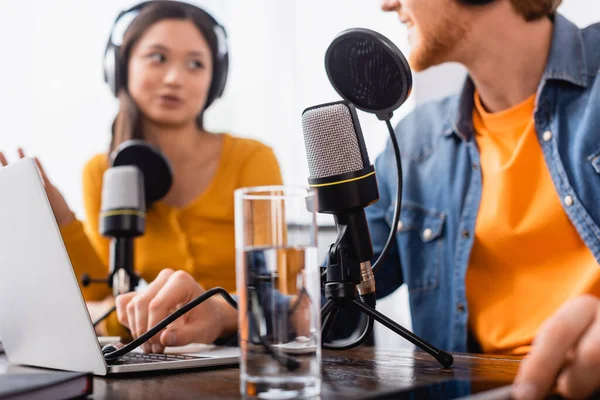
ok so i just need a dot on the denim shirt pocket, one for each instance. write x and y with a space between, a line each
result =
420 235
594 158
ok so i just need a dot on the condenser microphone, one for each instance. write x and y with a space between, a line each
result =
345 183
139 176
369 71
122 218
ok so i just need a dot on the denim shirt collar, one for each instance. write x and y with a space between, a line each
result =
566 62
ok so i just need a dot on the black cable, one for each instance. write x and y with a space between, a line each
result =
327 307
352 342
327 322
111 354
104 316
397 208
254 303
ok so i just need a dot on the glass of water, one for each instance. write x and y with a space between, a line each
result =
278 284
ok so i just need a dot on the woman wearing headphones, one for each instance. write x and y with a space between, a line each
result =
169 67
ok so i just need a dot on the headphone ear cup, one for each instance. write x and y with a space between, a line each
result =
221 67
111 68
219 80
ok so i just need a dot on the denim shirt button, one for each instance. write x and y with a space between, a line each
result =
427 234
466 234
568 201
460 307
547 136
400 226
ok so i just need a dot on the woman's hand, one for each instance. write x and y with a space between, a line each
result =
62 212
170 290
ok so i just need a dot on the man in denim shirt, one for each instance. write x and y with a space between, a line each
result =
500 215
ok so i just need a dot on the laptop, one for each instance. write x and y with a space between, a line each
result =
44 321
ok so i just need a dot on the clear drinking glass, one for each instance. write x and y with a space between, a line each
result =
278 284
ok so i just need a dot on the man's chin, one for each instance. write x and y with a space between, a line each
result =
417 64
420 61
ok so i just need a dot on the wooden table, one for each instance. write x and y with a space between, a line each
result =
360 373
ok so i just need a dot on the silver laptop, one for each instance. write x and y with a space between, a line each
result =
44 321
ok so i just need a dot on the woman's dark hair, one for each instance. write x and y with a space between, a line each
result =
126 124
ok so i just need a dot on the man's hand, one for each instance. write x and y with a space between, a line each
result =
170 290
566 352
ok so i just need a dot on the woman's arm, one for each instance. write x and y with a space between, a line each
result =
87 249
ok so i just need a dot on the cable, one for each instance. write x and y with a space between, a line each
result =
354 341
111 354
397 208
254 303
104 316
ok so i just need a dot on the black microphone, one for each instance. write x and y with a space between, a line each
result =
369 71
345 182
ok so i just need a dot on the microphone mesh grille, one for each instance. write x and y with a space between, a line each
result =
123 187
330 141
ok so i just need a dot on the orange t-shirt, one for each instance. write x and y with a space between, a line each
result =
527 258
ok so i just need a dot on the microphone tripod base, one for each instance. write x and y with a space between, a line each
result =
342 294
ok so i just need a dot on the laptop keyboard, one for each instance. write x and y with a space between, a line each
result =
143 358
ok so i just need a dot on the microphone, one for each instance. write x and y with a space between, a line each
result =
345 182
122 218
139 175
368 71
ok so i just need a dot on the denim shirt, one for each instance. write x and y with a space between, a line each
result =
442 183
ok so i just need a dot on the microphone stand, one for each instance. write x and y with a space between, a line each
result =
340 291
344 273
122 278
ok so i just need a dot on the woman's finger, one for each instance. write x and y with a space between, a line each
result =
121 302
142 301
179 289
42 172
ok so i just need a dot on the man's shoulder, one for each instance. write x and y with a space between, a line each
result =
420 131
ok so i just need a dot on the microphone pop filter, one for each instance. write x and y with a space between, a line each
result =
158 176
369 71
